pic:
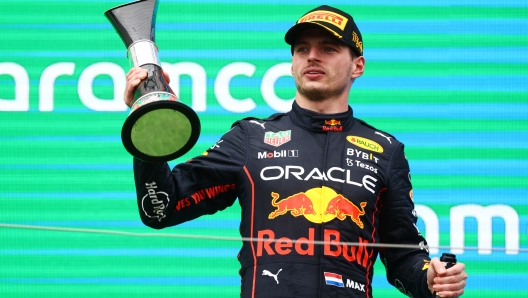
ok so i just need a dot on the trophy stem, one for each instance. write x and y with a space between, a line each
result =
143 52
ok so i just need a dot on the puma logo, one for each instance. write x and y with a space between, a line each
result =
258 123
388 138
266 272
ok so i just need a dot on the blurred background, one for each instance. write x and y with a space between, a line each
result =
447 78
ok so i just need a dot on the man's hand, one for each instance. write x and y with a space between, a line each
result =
446 283
133 78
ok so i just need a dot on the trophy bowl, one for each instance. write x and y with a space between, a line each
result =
159 127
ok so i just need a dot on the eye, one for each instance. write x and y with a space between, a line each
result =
330 49
302 49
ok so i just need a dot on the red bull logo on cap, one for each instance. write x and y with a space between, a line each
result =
318 205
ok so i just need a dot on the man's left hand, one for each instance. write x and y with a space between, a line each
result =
446 282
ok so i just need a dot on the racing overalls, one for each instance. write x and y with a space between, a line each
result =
300 177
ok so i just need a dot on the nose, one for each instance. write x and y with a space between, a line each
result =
314 55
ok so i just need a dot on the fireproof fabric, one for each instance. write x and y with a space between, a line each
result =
300 176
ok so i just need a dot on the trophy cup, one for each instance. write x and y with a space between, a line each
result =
158 128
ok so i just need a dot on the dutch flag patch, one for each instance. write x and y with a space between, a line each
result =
334 279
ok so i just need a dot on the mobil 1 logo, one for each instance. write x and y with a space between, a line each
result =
277 154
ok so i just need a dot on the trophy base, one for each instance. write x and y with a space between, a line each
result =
160 130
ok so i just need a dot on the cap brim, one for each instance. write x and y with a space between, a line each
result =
295 30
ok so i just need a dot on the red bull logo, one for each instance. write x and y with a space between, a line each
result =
332 122
267 245
318 205
332 125
341 208
297 204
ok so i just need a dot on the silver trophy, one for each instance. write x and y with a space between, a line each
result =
159 127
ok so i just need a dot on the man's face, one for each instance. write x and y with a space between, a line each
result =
322 66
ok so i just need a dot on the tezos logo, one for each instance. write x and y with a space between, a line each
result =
155 203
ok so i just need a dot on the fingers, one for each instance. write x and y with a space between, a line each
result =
453 275
133 78
438 266
450 290
452 283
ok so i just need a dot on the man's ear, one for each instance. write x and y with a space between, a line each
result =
359 67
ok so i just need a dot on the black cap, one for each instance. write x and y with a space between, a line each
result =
336 21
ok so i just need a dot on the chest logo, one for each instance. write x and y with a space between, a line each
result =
365 143
277 138
318 205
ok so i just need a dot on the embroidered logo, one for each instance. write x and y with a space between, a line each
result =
277 138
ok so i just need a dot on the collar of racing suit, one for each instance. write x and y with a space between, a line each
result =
321 122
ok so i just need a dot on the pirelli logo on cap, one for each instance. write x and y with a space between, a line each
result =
325 16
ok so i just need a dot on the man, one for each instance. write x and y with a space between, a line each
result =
315 173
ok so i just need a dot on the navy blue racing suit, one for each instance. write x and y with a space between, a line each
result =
300 177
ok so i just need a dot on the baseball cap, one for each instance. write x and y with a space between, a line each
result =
336 21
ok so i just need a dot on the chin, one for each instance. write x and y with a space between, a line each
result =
315 94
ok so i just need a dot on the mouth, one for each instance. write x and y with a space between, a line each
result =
314 71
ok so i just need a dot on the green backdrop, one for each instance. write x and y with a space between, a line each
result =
447 78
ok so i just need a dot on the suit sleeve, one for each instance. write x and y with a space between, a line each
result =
406 268
203 185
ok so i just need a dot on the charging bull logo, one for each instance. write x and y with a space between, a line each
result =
318 205
298 204
332 125
341 208
332 122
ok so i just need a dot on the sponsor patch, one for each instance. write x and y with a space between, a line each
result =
277 154
332 122
334 279
258 123
325 16
355 285
379 133
275 276
332 128
277 138
355 39
365 143
332 125
318 205
154 203
271 244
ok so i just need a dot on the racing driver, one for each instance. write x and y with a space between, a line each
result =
315 173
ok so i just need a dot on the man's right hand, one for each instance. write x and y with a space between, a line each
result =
133 78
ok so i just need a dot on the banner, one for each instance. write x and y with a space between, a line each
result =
447 78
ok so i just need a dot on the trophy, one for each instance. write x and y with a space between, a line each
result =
158 128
